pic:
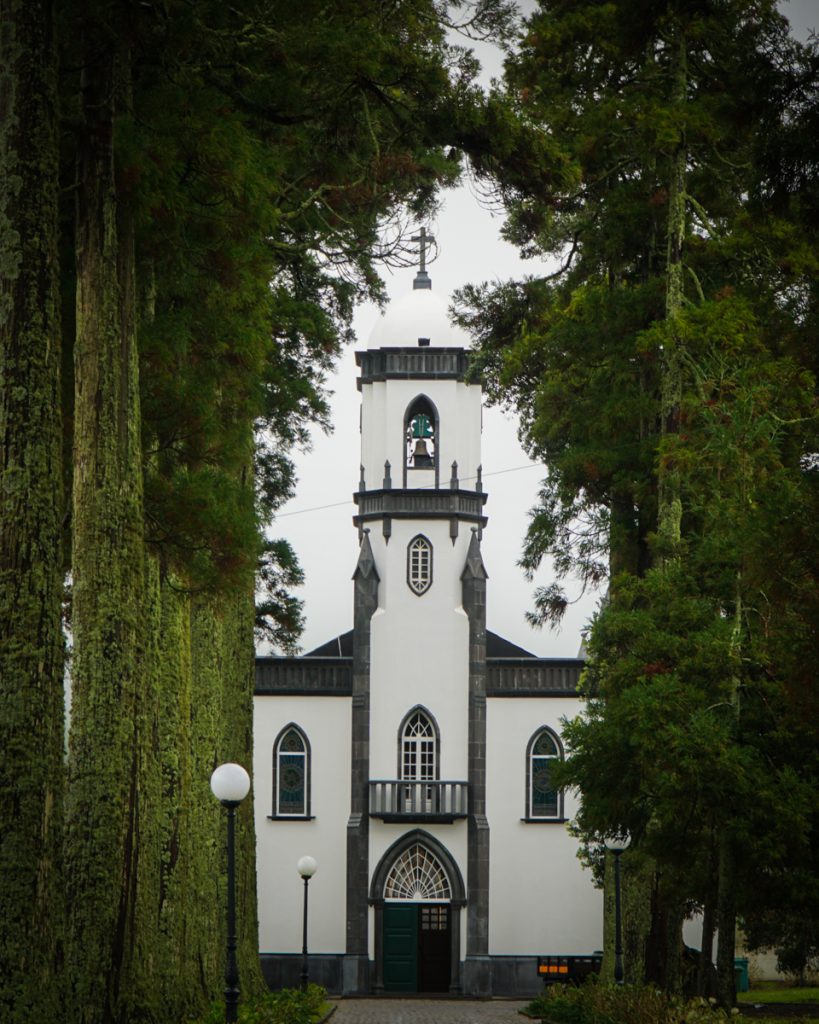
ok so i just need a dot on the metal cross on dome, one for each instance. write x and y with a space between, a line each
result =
422 278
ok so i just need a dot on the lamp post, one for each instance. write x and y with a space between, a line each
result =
230 784
306 868
617 844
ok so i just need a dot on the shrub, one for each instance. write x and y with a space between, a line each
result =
601 1003
288 1006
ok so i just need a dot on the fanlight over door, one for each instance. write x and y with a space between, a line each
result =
417 875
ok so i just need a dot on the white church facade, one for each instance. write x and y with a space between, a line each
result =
411 756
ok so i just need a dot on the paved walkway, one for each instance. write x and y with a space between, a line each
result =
427 1011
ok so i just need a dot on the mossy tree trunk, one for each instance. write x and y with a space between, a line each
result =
238 668
663 965
142 996
31 511
104 814
205 835
221 729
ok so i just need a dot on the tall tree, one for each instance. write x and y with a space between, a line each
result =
659 220
31 513
236 170
108 554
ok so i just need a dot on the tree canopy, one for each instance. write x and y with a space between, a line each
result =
665 377
218 185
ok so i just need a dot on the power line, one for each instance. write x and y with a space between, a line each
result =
340 504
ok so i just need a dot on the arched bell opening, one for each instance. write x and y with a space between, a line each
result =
421 426
417 892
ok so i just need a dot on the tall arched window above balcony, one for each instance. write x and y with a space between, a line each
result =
421 437
418 741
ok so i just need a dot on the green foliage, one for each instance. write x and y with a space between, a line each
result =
665 375
234 177
288 1006
597 1003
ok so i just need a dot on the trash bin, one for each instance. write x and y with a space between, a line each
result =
741 973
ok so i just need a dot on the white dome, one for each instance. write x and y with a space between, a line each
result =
419 314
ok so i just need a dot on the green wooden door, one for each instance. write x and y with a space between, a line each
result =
400 947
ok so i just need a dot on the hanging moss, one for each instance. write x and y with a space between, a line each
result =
31 510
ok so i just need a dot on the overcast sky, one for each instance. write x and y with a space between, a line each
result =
318 520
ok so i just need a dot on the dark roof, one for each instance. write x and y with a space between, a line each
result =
340 647
496 647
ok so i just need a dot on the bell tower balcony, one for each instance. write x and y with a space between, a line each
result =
399 800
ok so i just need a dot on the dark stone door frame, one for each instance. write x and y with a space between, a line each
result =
458 900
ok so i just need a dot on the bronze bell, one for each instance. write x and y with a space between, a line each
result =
421 459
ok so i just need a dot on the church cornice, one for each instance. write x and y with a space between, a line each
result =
416 363
420 503
533 677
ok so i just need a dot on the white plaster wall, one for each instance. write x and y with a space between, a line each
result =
382 430
279 844
419 647
541 899
453 837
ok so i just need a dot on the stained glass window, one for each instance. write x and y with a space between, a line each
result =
417 875
544 797
419 565
292 774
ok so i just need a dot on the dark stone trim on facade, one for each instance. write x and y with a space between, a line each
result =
419 503
533 677
504 975
356 967
298 677
413 363
333 677
283 970
457 900
473 584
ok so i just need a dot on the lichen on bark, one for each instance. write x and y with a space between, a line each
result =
107 737
31 510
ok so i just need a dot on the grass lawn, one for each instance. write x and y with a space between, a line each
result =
780 994
775 1020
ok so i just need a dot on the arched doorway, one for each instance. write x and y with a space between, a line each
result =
417 892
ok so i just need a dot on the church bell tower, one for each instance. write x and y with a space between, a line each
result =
419 647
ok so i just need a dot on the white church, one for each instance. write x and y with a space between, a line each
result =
411 756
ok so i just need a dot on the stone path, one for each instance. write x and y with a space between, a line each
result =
427 1011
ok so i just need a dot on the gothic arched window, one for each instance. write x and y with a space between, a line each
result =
421 433
419 747
543 800
419 565
291 774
